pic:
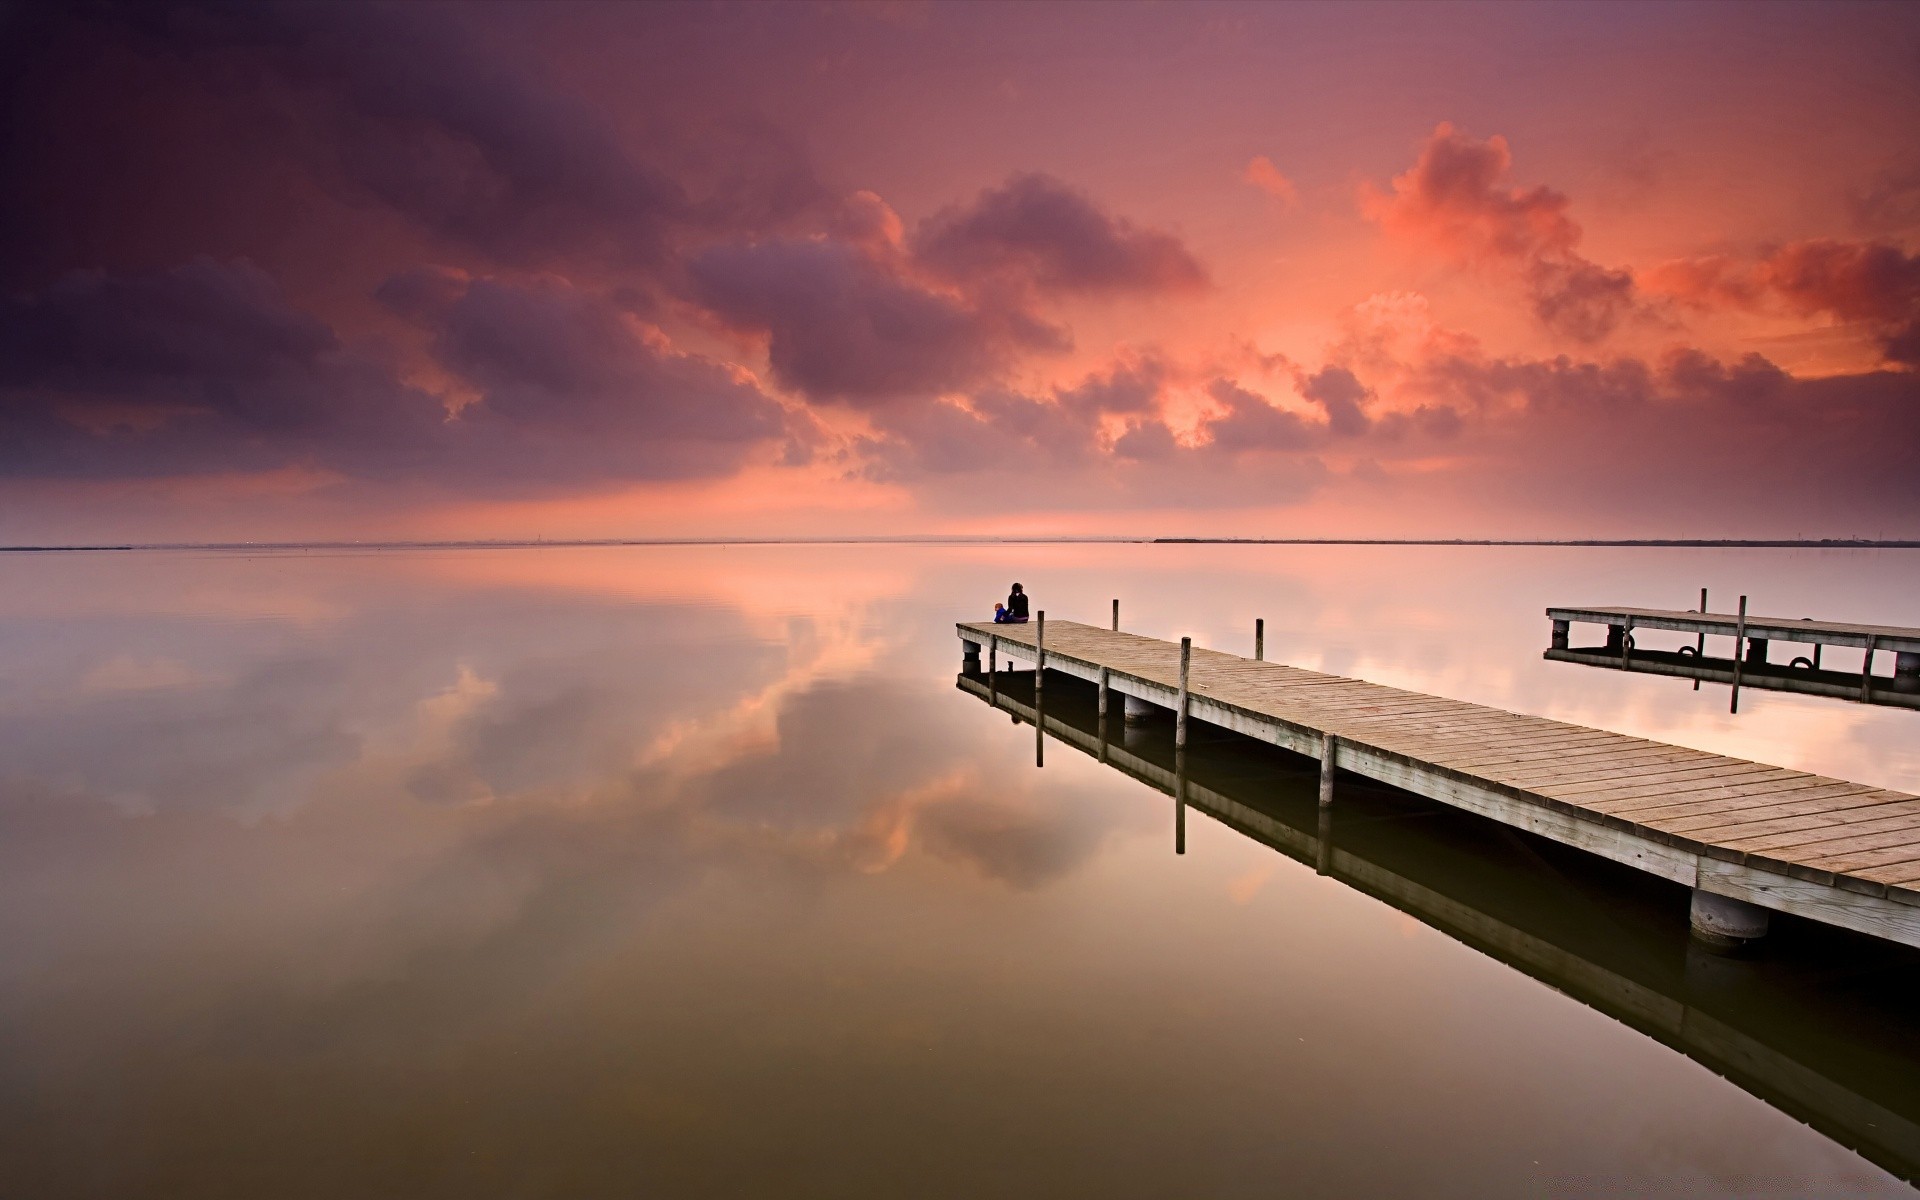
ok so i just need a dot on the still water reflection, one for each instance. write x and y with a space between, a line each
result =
685 871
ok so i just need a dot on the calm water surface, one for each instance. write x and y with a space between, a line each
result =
690 871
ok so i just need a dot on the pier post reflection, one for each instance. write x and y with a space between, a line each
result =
1180 801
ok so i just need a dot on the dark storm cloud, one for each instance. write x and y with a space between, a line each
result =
570 385
844 324
1045 234
323 141
206 367
377 98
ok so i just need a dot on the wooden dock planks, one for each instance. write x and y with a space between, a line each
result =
1837 851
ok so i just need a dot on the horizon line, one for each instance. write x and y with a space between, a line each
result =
968 539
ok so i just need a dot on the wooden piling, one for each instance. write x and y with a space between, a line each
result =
1040 653
1866 671
1700 642
1116 615
1259 639
1739 653
1180 718
993 665
1329 752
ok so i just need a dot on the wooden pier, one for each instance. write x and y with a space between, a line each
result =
1746 837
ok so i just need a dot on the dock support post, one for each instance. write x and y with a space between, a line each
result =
1040 654
1116 615
1700 639
1180 719
1723 921
993 668
969 657
1259 639
1039 695
1102 685
1329 752
1739 646
1560 629
1179 801
1906 670
1134 710
1866 670
1626 644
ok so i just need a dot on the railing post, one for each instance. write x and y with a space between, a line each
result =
1180 719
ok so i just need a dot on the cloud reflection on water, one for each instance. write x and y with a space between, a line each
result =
599 854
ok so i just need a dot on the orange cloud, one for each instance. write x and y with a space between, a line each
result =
1455 201
1262 174
1875 284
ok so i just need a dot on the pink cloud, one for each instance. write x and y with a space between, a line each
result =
1876 284
1455 201
1261 173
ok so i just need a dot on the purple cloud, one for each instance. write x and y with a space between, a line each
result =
1043 233
843 325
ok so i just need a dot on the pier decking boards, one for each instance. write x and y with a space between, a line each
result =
1844 853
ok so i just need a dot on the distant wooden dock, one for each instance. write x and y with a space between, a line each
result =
1747 663
1746 837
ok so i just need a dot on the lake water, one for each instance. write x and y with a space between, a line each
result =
690 871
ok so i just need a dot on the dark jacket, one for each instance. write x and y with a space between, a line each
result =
1017 605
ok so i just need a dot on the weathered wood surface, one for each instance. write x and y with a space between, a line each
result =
1840 852
1783 629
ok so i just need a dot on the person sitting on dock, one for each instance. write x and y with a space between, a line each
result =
1014 611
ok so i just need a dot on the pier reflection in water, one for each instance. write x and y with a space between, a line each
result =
1818 1023
1802 676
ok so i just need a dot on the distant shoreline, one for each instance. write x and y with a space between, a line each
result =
584 543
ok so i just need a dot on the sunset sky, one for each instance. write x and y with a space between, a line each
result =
604 270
